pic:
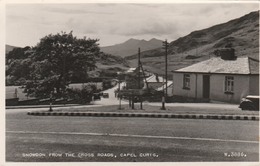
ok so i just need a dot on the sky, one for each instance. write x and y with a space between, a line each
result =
114 23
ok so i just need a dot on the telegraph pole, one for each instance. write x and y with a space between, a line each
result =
165 46
119 96
139 77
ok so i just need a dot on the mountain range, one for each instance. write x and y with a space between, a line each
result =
131 46
242 34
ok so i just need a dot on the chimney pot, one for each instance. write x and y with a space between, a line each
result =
227 54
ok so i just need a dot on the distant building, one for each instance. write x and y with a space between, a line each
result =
224 78
158 83
169 88
130 70
154 82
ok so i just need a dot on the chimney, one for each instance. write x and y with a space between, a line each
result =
157 78
227 54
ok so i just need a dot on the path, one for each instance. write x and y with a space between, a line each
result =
112 99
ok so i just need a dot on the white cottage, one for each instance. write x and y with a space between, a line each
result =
169 88
224 78
154 81
158 83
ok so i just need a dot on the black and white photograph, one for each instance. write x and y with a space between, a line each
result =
131 82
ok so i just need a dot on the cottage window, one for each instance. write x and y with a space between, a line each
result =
186 81
229 84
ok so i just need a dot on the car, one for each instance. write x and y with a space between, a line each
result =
250 102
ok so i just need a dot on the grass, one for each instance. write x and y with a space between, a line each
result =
157 109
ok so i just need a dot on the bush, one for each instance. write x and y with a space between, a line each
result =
107 84
84 95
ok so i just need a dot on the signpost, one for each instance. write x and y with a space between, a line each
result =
134 84
131 92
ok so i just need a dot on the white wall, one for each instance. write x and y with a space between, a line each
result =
254 85
217 88
169 90
217 85
178 85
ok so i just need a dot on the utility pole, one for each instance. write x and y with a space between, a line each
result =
119 96
165 46
139 77
139 86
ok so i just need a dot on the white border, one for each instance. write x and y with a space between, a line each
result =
2 83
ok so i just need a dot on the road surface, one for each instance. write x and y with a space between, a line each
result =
36 138
112 100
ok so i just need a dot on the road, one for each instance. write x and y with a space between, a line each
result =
112 99
36 138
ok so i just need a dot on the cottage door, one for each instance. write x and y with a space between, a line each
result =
206 86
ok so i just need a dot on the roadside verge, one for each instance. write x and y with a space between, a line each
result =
148 115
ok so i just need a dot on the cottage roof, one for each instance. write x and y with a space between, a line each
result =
132 69
153 78
242 65
169 83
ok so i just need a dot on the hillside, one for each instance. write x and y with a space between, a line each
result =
130 47
9 48
242 34
108 66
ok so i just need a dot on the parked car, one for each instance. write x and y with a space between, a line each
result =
250 102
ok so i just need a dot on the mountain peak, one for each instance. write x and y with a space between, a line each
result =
132 40
154 39
131 46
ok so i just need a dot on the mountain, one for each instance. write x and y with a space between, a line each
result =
9 48
108 66
242 34
130 47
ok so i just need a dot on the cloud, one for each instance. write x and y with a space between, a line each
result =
72 10
83 27
113 22
16 17
153 28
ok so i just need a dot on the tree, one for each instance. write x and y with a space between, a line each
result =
56 59
18 53
18 66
